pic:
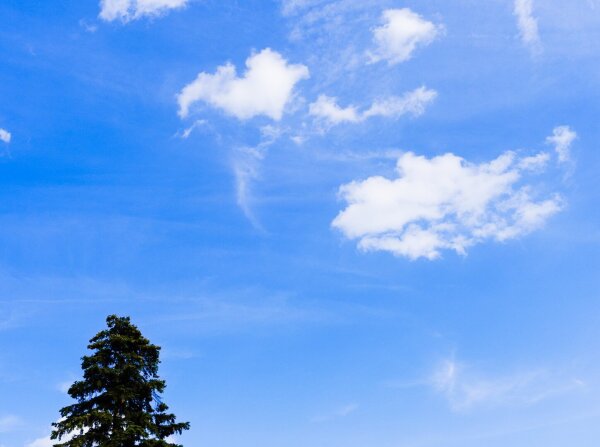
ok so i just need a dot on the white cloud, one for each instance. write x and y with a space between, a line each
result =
465 389
246 163
341 412
339 27
562 137
5 136
126 10
42 442
443 203
527 23
402 32
9 423
265 88
290 7
63 387
298 139
326 107
88 27
413 102
188 131
46 441
535 163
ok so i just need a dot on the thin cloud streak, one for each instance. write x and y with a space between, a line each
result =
528 25
246 165
465 389
339 413
128 10
413 103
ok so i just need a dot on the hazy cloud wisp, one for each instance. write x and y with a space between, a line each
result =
465 389
127 10
527 24
414 103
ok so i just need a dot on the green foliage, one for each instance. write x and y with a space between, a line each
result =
118 400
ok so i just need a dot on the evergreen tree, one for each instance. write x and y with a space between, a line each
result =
118 400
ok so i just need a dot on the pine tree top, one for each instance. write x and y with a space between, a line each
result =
118 400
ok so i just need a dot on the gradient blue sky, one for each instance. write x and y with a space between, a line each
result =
216 231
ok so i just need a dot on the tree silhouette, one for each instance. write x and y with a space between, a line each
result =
118 400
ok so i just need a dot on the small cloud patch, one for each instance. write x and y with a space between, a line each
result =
5 136
562 138
402 32
127 10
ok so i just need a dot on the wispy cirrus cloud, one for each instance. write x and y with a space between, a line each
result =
465 388
340 412
246 164
9 423
188 130
8 322
265 88
413 103
312 17
361 32
402 32
445 203
127 10
527 24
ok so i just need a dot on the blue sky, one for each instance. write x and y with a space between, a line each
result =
346 223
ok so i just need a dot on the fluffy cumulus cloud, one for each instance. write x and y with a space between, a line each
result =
562 138
126 10
5 136
527 23
414 103
444 203
265 88
401 33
